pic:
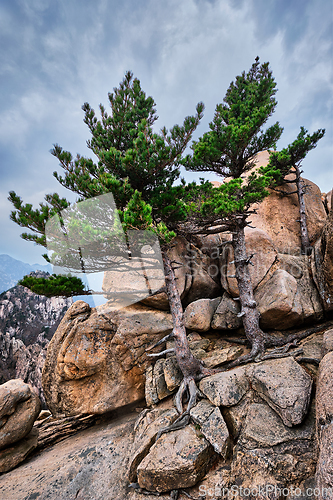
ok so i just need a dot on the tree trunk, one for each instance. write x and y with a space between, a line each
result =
189 365
306 248
250 314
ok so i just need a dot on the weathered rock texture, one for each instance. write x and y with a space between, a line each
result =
96 362
278 216
27 323
285 386
179 459
324 417
19 408
322 263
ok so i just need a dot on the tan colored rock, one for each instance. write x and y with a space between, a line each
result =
225 388
324 417
220 356
275 301
285 386
14 454
212 426
19 408
324 394
198 315
179 459
322 264
235 415
327 345
307 297
146 428
277 216
266 447
225 316
96 362
260 244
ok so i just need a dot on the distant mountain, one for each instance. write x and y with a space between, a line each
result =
12 270
27 323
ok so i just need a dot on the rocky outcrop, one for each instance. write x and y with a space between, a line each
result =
278 215
27 323
285 386
19 408
199 314
25 315
96 362
324 418
322 263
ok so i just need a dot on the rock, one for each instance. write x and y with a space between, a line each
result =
205 274
225 316
324 472
93 464
275 301
277 216
150 387
327 345
146 429
19 408
235 415
285 386
267 447
159 380
198 315
96 361
13 455
212 426
324 394
220 356
179 459
225 388
172 373
322 264
258 243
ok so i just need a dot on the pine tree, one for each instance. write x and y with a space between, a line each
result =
139 167
229 149
288 161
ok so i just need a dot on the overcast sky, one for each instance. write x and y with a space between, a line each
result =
56 55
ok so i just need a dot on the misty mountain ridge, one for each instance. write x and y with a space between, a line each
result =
12 270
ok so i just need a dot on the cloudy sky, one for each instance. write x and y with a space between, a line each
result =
57 54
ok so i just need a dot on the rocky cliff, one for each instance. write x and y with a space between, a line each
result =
27 323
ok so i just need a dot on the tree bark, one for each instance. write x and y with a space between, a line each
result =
249 312
306 248
189 365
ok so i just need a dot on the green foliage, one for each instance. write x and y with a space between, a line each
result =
54 285
283 161
236 134
130 157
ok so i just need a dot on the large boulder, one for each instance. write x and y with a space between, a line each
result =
285 386
278 215
179 459
19 408
288 296
324 417
96 361
268 450
199 314
322 263
226 388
